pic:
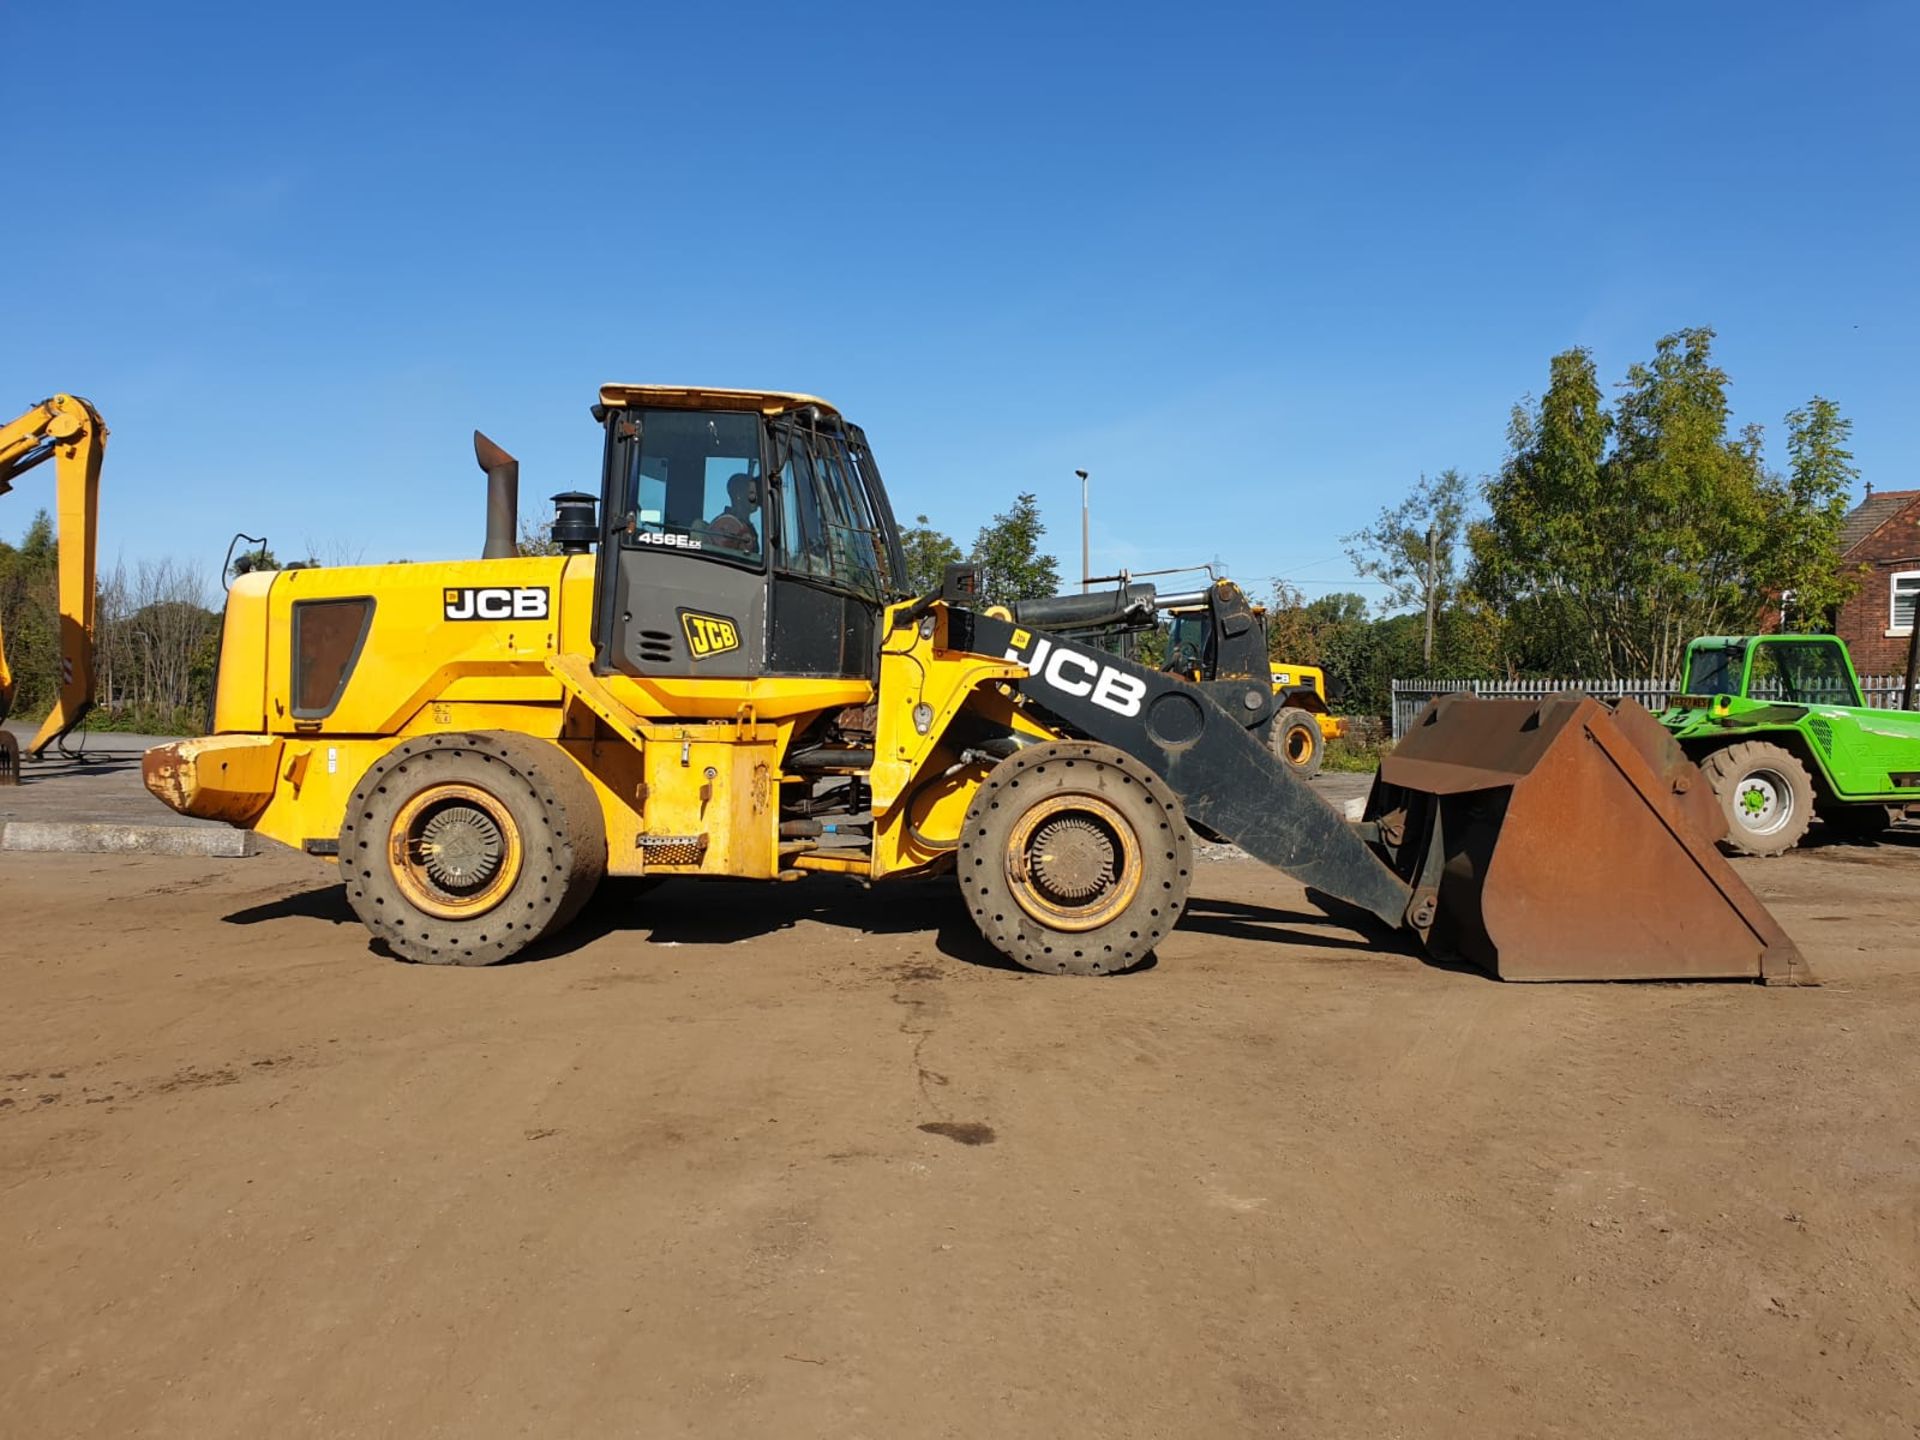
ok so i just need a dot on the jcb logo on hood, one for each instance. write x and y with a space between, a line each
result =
1078 674
709 635
496 602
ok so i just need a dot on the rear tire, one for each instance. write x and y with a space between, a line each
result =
1075 859
1295 737
464 849
1766 795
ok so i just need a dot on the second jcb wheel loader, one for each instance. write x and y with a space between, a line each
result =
721 676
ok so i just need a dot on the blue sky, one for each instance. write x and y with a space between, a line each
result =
1256 268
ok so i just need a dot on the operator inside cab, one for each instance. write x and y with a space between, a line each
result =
737 526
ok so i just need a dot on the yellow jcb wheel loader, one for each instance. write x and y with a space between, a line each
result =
67 430
721 676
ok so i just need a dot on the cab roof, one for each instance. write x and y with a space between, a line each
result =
707 397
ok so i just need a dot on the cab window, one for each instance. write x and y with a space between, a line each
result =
1714 669
829 527
1802 672
694 483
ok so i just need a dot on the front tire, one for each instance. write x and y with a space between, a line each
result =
464 849
1075 859
1766 795
1295 737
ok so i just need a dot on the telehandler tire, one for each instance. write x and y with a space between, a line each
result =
465 848
1075 859
1295 737
1765 793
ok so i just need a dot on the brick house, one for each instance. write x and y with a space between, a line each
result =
1882 539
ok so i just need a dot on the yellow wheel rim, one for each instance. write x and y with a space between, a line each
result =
1299 745
1073 862
455 851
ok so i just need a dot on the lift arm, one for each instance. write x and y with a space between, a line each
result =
68 430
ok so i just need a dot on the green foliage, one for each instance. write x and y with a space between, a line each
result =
1820 476
1008 554
1353 755
154 638
1363 657
928 553
1305 631
29 615
1613 539
1413 547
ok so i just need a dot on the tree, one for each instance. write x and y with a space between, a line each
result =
1607 559
928 553
1411 547
1820 476
29 614
1008 554
536 538
1301 631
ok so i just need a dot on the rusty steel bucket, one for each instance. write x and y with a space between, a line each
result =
1563 839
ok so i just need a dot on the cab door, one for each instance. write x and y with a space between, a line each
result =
683 588
836 557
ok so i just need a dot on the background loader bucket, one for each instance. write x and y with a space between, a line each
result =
1561 840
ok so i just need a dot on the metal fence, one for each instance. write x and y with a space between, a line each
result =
1410 697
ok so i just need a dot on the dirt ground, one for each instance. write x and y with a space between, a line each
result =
799 1161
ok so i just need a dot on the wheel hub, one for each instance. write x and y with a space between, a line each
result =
454 850
461 847
1759 802
1071 859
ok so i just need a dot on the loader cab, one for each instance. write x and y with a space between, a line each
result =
1189 641
744 534
1796 669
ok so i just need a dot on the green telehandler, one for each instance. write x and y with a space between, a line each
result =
1779 728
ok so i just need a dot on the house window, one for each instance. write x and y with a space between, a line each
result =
1906 590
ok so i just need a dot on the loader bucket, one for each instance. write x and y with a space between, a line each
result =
1559 839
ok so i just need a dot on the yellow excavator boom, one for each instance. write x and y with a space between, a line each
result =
69 431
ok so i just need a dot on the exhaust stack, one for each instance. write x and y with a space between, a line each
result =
503 499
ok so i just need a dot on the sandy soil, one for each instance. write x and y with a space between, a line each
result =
797 1160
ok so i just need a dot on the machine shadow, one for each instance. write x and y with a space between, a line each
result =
1826 837
323 902
1237 920
670 911
691 911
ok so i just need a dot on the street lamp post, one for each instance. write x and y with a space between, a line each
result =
1086 570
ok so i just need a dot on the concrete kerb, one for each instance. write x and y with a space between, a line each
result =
61 837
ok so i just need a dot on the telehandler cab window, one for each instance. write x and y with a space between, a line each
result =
694 483
1801 672
1715 669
